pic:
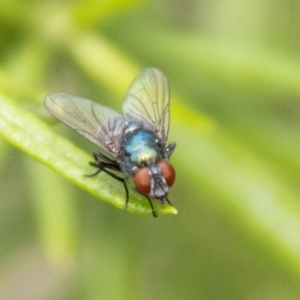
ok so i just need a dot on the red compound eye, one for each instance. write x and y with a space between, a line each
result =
142 181
168 172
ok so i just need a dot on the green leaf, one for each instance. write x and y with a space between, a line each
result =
32 136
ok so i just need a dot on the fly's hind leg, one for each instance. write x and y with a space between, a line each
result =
105 164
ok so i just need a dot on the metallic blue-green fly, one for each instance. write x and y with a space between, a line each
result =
132 143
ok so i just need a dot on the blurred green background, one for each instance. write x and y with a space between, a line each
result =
234 72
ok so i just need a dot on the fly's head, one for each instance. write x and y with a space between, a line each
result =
155 180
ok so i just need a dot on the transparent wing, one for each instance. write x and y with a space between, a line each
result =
99 124
147 100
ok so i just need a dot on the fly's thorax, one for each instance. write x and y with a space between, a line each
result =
139 147
154 181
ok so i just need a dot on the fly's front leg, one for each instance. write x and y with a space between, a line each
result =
152 207
169 202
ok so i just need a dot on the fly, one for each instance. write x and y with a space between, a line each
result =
133 143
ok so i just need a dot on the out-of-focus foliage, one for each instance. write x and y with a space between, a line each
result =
234 71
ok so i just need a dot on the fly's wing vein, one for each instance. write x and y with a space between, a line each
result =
147 100
99 124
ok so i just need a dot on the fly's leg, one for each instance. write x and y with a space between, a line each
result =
165 199
169 202
105 164
152 208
